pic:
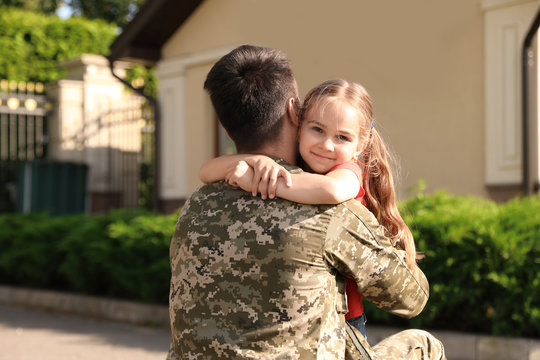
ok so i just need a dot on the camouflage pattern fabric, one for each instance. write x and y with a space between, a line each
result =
264 279
410 344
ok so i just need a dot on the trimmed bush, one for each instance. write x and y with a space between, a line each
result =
482 261
124 254
30 249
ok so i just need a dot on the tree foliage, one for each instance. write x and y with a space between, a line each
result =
144 79
33 44
38 6
119 12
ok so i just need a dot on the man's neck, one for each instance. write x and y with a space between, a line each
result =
285 145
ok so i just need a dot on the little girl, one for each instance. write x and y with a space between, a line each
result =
346 158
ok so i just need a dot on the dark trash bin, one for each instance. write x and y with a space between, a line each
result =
57 188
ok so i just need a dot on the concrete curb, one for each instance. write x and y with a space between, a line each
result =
90 306
458 346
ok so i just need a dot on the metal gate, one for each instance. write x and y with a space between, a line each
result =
22 121
23 133
120 151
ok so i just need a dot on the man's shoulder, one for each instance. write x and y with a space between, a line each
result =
220 194
211 190
223 196
354 211
355 207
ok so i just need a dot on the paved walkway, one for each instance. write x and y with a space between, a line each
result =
27 334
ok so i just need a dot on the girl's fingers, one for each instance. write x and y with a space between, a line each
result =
286 176
272 183
237 173
265 177
231 178
255 182
276 173
263 184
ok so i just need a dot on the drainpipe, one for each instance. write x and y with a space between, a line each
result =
157 121
527 182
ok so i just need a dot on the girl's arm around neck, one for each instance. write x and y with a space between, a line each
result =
265 171
308 188
217 168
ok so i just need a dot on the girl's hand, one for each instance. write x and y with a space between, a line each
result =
258 174
240 175
266 173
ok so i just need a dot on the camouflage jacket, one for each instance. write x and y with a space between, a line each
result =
264 279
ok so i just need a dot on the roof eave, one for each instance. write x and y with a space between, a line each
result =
141 39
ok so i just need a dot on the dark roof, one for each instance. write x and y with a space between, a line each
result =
141 39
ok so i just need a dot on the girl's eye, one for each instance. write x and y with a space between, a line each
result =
317 129
343 138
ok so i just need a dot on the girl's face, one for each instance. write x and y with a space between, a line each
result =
329 136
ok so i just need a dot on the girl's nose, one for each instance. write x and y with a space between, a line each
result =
328 144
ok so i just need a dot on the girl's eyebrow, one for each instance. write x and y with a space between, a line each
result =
346 132
316 122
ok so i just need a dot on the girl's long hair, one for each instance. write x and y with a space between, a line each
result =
375 159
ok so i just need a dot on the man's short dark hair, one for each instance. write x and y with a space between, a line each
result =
249 88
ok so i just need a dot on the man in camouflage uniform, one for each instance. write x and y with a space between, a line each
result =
264 279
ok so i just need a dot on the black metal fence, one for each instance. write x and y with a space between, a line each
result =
23 133
23 121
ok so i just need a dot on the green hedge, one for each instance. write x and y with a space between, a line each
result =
482 260
122 255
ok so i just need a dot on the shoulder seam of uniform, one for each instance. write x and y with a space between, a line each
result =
375 237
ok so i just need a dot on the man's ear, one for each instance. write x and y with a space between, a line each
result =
292 111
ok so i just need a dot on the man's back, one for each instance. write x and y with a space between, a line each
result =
249 279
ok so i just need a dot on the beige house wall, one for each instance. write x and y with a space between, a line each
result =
423 63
